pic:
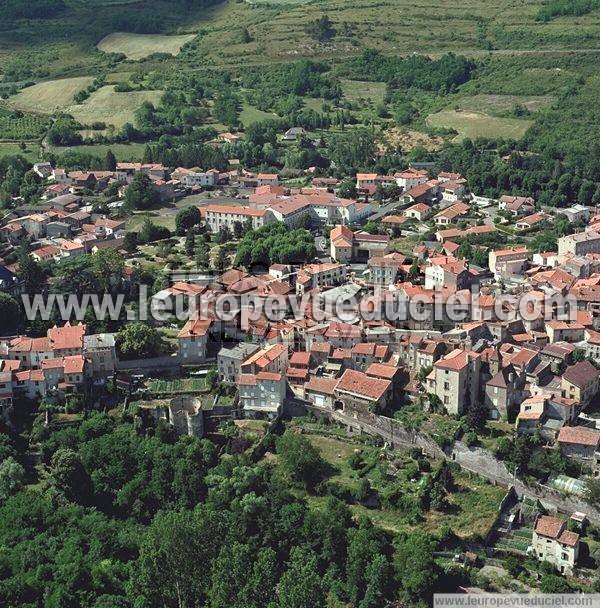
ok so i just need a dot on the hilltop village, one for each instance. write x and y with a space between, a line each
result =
505 397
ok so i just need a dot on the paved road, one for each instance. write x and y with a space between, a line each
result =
384 210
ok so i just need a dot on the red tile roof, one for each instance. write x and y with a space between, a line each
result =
579 435
550 527
195 327
581 374
66 337
321 385
362 385
380 370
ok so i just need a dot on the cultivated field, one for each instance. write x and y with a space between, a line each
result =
138 46
477 124
105 105
47 97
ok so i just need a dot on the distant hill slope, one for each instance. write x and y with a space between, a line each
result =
41 38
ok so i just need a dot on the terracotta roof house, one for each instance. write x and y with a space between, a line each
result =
580 382
359 392
552 542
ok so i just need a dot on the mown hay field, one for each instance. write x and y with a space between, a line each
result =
49 96
106 105
139 46
478 124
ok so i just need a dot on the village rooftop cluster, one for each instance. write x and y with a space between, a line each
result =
537 371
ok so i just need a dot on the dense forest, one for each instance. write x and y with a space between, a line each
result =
132 516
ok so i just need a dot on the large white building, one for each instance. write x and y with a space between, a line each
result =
195 177
220 216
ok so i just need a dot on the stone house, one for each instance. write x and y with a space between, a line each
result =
357 393
581 444
580 382
553 543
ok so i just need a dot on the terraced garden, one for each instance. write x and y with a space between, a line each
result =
182 385
517 540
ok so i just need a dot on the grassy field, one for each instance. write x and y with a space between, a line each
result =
277 29
66 44
133 151
138 46
477 124
357 89
497 104
46 97
105 105
135 222
250 115
31 152
408 139
25 127
193 385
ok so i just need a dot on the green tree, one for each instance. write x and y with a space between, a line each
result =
352 149
151 232
513 566
476 415
165 573
190 244
202 254
108 265
221 259
30 272
69 477
110 162
551 583
365 545
593 490
415 565
238 230
131 242
224 235
230 575
12 476
300 459
141 193
320 29
300 586
414 270
10 314
138 340
187 218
